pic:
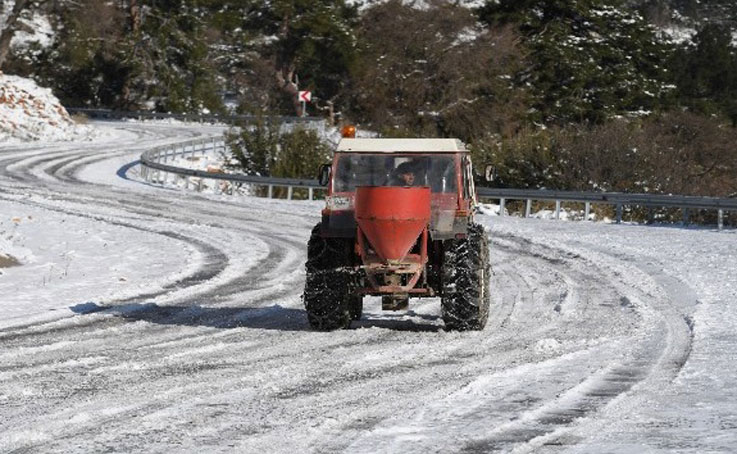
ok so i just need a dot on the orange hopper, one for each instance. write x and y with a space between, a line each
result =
392 218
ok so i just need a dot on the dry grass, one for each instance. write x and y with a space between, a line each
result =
80 119
6 261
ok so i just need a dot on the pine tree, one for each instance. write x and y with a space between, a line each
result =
706 72
589 60
119 55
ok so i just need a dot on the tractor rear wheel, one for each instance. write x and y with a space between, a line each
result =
330 284
465 286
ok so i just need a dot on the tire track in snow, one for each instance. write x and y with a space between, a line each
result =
655 359
537 418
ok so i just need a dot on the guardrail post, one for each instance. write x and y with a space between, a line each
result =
685 216
199 185
528 208
557 209
502 202
720 219
271 191
650 215
586 211
311 193
290 190
619 213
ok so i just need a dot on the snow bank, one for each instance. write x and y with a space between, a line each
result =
31 113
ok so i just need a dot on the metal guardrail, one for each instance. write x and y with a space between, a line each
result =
201 118
156 170
617 199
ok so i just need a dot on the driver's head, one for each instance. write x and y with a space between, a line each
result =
407 177
405 173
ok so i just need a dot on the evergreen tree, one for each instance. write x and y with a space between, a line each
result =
170 55
235 45
706 72
255 146
86 63
589 60
300 154
262 149
119 55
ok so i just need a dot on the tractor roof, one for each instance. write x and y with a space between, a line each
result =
401 146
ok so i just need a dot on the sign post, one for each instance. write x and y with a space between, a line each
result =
304 97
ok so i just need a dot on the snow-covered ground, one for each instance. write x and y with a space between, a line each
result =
161 320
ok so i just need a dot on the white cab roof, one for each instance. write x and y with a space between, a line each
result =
401 146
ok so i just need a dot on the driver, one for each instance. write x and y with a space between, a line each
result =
404 175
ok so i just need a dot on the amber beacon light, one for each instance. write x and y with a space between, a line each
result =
348 132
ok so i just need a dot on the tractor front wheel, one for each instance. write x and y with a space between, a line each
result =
330 284
465 286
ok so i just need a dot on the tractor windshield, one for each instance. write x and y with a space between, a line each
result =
361 169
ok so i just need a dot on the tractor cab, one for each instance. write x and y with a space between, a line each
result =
442 165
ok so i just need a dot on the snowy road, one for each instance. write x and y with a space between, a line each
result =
153 320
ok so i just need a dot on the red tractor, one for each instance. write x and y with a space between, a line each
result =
398 223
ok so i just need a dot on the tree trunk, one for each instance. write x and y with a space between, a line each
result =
329 107
11 24
134 22
287 84
134 14
285 69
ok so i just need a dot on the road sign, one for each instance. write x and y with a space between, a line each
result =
305 96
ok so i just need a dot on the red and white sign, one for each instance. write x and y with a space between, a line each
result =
305 96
